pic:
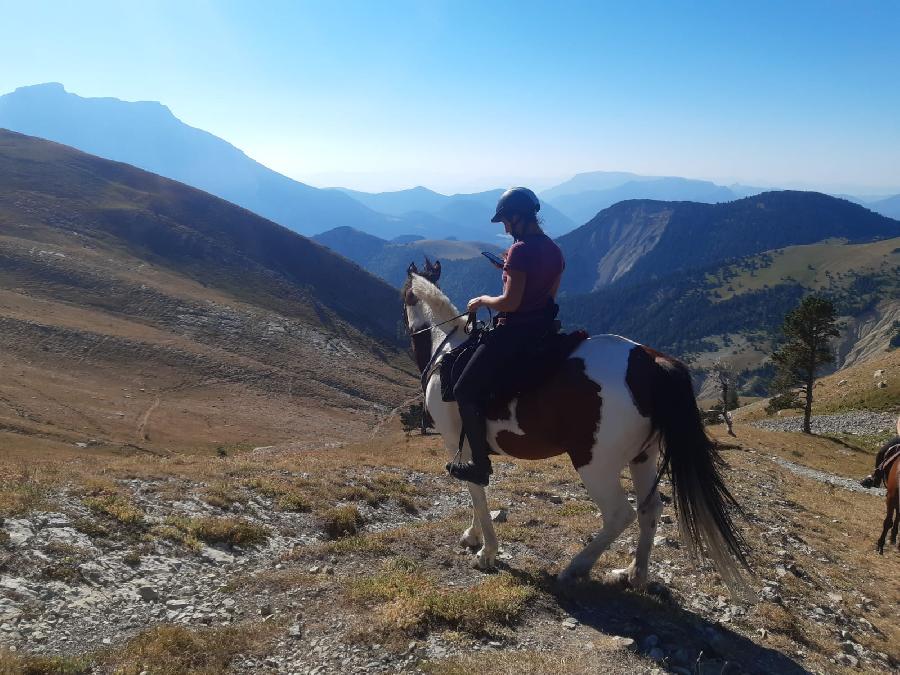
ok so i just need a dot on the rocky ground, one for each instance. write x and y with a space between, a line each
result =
857 422
106 566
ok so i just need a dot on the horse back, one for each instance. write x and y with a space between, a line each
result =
564 415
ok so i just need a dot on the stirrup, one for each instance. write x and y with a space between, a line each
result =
471 472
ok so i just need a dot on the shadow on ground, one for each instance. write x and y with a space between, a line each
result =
702 646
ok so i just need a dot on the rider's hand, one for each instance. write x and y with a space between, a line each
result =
475 304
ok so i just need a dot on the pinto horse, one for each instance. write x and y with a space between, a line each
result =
613 403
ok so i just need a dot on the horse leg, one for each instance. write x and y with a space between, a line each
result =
486 557
643 475
605 489
888 521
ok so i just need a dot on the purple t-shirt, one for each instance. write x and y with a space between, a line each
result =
538 256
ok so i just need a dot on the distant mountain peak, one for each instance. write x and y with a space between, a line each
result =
44 87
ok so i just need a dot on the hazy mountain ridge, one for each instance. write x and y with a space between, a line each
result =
147 135
464 216
583 206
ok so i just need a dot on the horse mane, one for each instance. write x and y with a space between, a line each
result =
437 305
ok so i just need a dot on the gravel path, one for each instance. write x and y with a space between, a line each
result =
830 478
859 422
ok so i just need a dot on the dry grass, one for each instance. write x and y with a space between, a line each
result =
411 601
232 531
175 650
117 507
342 521
223 495
375 544
22 493
13 663
104 496
287 496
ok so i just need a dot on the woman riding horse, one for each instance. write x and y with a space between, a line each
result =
532 270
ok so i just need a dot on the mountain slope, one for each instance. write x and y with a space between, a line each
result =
147 135
114 279
390 260
733 311
641 239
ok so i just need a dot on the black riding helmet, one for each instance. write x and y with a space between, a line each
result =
519 200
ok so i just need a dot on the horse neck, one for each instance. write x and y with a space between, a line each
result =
439 336
440 331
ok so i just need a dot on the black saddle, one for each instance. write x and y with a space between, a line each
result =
535 365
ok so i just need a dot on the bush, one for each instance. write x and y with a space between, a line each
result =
342 521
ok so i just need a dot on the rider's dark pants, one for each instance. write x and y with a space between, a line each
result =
496 355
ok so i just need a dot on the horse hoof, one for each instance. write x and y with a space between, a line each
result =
483 561
627 577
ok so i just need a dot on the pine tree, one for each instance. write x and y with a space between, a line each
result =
808 329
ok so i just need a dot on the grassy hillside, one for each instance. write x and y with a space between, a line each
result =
734 311
822 267
137 312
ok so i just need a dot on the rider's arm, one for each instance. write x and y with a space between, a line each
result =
512 293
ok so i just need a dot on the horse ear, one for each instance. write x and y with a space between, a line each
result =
436 270
412 269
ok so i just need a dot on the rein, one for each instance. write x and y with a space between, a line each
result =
427 328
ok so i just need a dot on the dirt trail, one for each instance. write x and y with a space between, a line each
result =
825 477
145 419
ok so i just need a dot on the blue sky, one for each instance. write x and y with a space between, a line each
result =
465 94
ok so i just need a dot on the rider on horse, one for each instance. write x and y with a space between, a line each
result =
532 270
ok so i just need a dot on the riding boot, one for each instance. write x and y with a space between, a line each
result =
475 427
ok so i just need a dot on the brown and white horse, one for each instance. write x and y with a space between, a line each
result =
887 468
613 403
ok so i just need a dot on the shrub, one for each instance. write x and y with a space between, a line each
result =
411 602
342 521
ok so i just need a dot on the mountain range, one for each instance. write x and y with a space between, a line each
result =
147 135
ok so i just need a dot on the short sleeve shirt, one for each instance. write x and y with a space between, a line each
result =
541 260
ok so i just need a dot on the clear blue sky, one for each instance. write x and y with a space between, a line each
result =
381 94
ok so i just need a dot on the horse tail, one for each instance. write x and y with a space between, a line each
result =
703 503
